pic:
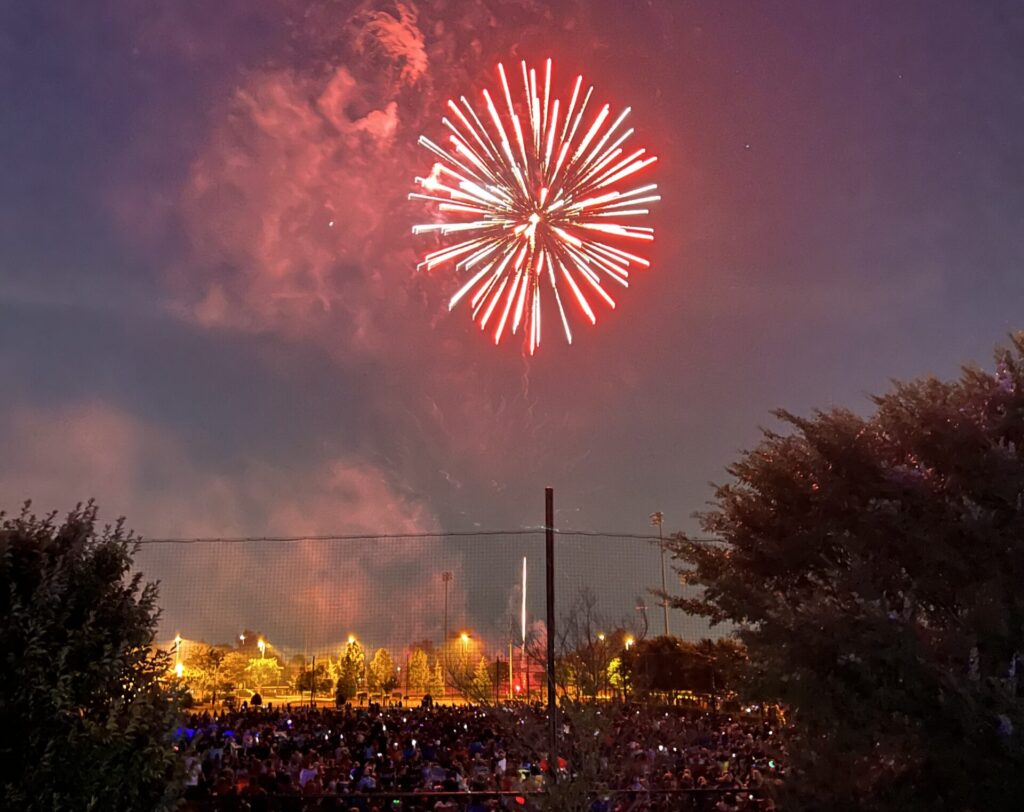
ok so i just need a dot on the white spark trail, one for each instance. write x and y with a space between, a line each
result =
535 213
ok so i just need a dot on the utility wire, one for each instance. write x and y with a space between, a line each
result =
343 537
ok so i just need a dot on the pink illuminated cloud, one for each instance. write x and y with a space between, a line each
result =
304 592
394 32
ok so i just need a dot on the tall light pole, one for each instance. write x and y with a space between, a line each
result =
262 646
549 582
657 519
446 577
312 681
523 665
511 679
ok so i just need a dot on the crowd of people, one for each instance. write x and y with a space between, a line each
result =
471 759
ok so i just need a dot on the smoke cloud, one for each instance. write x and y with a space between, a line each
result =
305 593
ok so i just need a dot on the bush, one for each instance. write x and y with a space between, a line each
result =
84 709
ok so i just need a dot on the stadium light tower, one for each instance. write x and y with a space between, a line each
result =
446 577
657 519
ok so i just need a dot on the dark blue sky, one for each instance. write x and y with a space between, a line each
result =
182 335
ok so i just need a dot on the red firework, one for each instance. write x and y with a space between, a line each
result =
535 202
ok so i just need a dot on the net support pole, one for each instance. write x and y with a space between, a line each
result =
549 555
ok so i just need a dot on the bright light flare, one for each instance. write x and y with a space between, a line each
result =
523 608
538 204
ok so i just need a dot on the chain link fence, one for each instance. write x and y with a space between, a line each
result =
460 613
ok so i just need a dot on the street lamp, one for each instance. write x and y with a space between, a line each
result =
600 636
351 639
241 638
262 646
179 670
629 643
657 519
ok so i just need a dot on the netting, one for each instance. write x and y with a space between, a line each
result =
457 597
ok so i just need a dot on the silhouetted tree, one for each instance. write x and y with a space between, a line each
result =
85 710
874 566
320 678
587 643
667 664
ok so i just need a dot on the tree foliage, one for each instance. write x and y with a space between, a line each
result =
318 678
85 714
436 684
419 672
351 670
481 686
668 664
233 670
874 565
381 674
263 671
586 644
582 729
204 672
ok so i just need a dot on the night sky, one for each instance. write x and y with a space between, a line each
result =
185 337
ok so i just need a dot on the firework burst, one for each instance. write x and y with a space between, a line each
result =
535 204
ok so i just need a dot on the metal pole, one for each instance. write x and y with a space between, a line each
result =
497 678
312 684
446 577
664 597
658 518
549 554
